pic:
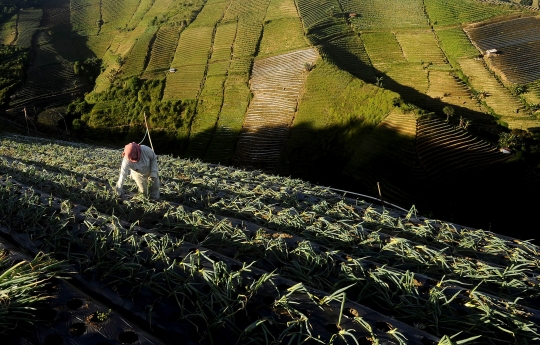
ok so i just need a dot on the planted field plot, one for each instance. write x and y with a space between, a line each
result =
236 97
382 49
455 44
212 12
190 59
208 109
532 93
278 9
145 8
224 40
276 84
335 106
282 35
517 43
496 96
46 54
85 17
318 13
37 292
349 54
56 14
252 11
27 25
447 152
380 14
49 85
455 12
117 14
209 257
447 90
248 36
212 96
393 139
410 80
421 46
138 56
162 52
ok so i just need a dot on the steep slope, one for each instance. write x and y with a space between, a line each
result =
236 255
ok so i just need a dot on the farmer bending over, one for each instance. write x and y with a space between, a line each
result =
142 161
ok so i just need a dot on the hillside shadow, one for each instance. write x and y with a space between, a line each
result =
489 195
483 124
50 80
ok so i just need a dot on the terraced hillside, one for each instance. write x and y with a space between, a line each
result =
232 256
335 74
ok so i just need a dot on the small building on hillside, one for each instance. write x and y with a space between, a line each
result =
491 52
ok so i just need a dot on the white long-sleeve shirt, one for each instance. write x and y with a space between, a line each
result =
147 165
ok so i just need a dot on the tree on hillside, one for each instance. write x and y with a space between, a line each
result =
449 112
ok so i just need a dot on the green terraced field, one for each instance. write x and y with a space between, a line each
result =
190 67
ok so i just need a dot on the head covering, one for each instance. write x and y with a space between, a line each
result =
132 151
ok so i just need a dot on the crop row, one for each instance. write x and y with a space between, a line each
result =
445 152
455 12
162 51
202 289
252 11
85 16
213 232
135 62
47 309
226 198
421 46
236 96
379 14
27 25
393 138
276 84
496 96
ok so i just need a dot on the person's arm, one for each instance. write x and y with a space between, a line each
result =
154 171
124 170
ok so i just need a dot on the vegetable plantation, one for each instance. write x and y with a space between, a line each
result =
242 257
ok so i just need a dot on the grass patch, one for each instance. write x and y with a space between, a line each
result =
8 30
334 114
282 35
278 9
236 99
12 63
456 12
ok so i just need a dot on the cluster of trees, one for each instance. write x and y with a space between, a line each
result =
90 68
13 60
118 114
9 7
